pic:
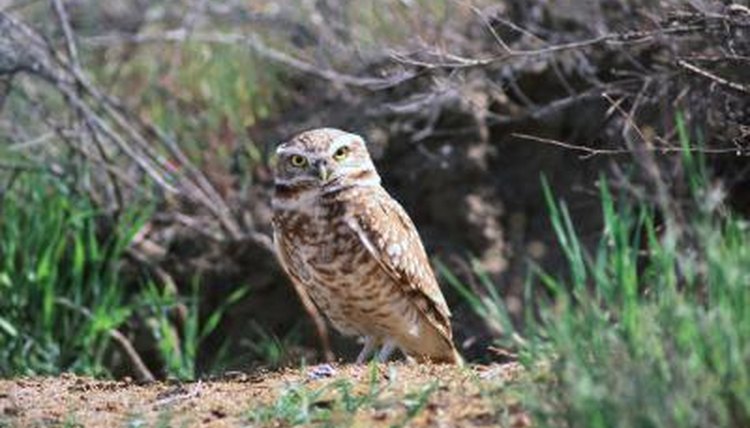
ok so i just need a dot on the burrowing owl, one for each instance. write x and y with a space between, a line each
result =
342 238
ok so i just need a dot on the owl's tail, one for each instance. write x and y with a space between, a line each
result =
450 357
457 358
454 357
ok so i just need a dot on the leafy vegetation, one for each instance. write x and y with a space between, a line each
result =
651 328
180 351
666 344
64 296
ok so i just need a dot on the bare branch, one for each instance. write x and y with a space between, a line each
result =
625 38
711 76
62 16
591 151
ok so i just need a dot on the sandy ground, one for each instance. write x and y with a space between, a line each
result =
340 395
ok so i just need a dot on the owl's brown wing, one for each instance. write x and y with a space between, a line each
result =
285 259
389 235
287 263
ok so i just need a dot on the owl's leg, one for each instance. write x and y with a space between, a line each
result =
386 351
367 350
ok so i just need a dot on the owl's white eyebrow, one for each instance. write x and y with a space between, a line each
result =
341 140
290 151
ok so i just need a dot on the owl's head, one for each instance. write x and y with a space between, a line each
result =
325 157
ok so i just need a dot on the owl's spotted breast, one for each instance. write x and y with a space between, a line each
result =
339 273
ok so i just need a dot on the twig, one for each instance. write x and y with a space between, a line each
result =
632 37
62 16
109 167
75 66
206 194
23 145
711 76
491 29
104 118
179 394
617 105
147 166
143 373
590 151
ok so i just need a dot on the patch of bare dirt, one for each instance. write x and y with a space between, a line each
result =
384 395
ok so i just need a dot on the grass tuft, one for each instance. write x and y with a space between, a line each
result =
62 294
651 328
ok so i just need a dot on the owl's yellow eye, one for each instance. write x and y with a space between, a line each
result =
341 154
298 161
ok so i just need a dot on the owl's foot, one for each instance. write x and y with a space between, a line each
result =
367 350
386 351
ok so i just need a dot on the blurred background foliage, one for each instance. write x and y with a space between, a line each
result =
135 152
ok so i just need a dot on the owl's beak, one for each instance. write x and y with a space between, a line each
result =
323 171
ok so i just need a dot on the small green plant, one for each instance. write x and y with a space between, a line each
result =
487 303
334 404
180 351
264 346
416 402
298 405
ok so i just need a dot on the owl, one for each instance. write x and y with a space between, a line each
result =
353 249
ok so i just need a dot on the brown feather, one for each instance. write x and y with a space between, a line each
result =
411 268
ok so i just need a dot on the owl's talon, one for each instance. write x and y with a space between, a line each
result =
386 351
367 350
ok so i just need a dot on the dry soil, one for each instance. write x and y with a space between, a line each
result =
348 395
